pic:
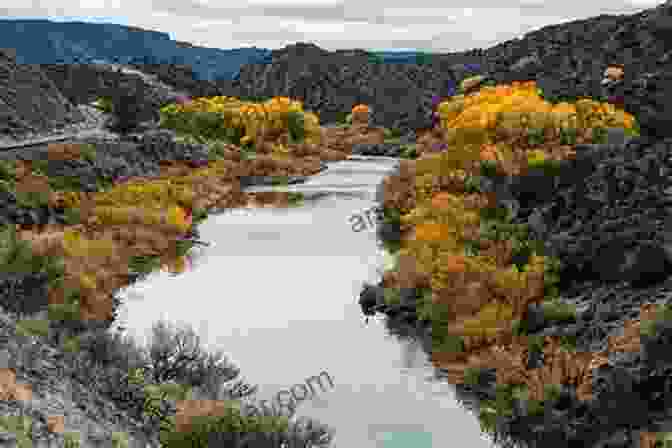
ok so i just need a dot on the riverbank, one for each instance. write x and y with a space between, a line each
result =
534 285
99 215
83 219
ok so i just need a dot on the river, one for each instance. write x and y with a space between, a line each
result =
277 290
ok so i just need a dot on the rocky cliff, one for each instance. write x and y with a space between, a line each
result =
29 100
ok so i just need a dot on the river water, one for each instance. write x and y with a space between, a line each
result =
277 290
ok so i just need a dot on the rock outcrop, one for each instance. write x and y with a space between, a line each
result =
29 100
85 83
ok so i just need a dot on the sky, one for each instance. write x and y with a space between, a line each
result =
392 25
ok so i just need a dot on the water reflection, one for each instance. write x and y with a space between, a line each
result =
277 290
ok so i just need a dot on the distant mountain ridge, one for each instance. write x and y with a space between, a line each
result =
82 42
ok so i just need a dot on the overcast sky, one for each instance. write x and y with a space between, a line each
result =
423 25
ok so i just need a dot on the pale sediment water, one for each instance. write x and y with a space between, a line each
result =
277 290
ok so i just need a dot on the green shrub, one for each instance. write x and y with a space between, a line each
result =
71 439
104 104
7 170
451 344
495 214
535 407
487 417
209 125
341 117
170 119
247 151
32 327
119 440
88 152
409 152
441 341
473 375
552 267
504 396
295 198
424 306
522 251
552 392
216 149
233 422
71 344
280 180
20 426
599 135
198 215
557 311
255 98
502 406
568 343
104 184
391 217
40 167
650 327
72 216
472 184
16 256
568 136
535 343
663 440
65 183
68 310
143 265
495 226
396 133
295 125
392 246
535 137
32 199
518 328
182 247
392 296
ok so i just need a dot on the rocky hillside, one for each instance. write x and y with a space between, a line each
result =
85 83
332 82
566 60
73 42
29 100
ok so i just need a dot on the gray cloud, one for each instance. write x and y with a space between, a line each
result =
427 25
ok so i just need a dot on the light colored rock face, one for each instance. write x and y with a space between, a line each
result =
29 101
